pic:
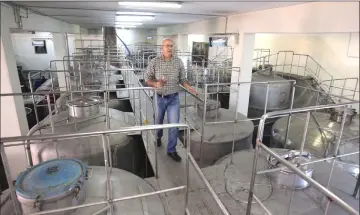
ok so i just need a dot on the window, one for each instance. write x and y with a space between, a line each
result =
39 46
218 41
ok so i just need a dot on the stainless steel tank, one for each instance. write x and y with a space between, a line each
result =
279 95
218 138
114 103
319 141
51 185
88 149
123 184
202 76
231 182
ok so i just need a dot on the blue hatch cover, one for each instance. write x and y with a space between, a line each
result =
50 178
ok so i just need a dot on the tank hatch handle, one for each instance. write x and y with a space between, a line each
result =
38 203
89 172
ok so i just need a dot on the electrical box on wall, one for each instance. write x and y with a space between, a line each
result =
39 46
236 39
218 41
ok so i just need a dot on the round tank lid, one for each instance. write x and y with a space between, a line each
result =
49 179
263 76
295 159
84 102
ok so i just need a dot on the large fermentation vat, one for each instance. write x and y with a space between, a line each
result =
88 149
93 189
279 93
231 182
322 134
218 138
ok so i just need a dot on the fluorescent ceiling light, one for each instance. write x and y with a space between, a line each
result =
128 26
151 4
135 13
128 23
133 18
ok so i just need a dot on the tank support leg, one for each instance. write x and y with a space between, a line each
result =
356 190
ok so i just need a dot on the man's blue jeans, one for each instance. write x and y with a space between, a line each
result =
171 105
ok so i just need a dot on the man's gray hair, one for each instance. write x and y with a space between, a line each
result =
166 39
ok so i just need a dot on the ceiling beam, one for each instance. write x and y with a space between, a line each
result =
107 10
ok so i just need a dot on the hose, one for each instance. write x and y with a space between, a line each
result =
323 136
123 44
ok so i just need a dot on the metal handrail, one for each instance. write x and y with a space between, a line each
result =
290 166
5 142
316 74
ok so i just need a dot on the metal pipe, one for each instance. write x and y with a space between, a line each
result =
311 181
328 158
203 124
89 134
113 201
187 169
305 132
202 176
270 170
156 148
249 82
9 180
342 91
106 160
289 118
195 96
78 91
33 99
337 146
50 113
235 121
266 98
102 210
292 195
341 132
262 205
253 175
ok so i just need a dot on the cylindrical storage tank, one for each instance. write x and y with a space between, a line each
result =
320 142
122 184
61 102
218 138
51 185
279 94
88 149
212 109
274 189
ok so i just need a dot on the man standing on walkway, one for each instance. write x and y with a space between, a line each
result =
165 73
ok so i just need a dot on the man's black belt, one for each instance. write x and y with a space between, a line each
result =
166 96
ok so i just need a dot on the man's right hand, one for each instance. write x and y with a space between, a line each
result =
159 84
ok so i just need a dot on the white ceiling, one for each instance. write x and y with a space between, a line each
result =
95 14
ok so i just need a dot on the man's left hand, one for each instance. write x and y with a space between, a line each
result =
192 90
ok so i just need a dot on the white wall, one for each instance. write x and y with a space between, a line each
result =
71 43
13 117
132 36
25 53
329 50
315 17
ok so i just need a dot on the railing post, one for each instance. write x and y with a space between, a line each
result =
289 117
203 124
187 170
17 208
